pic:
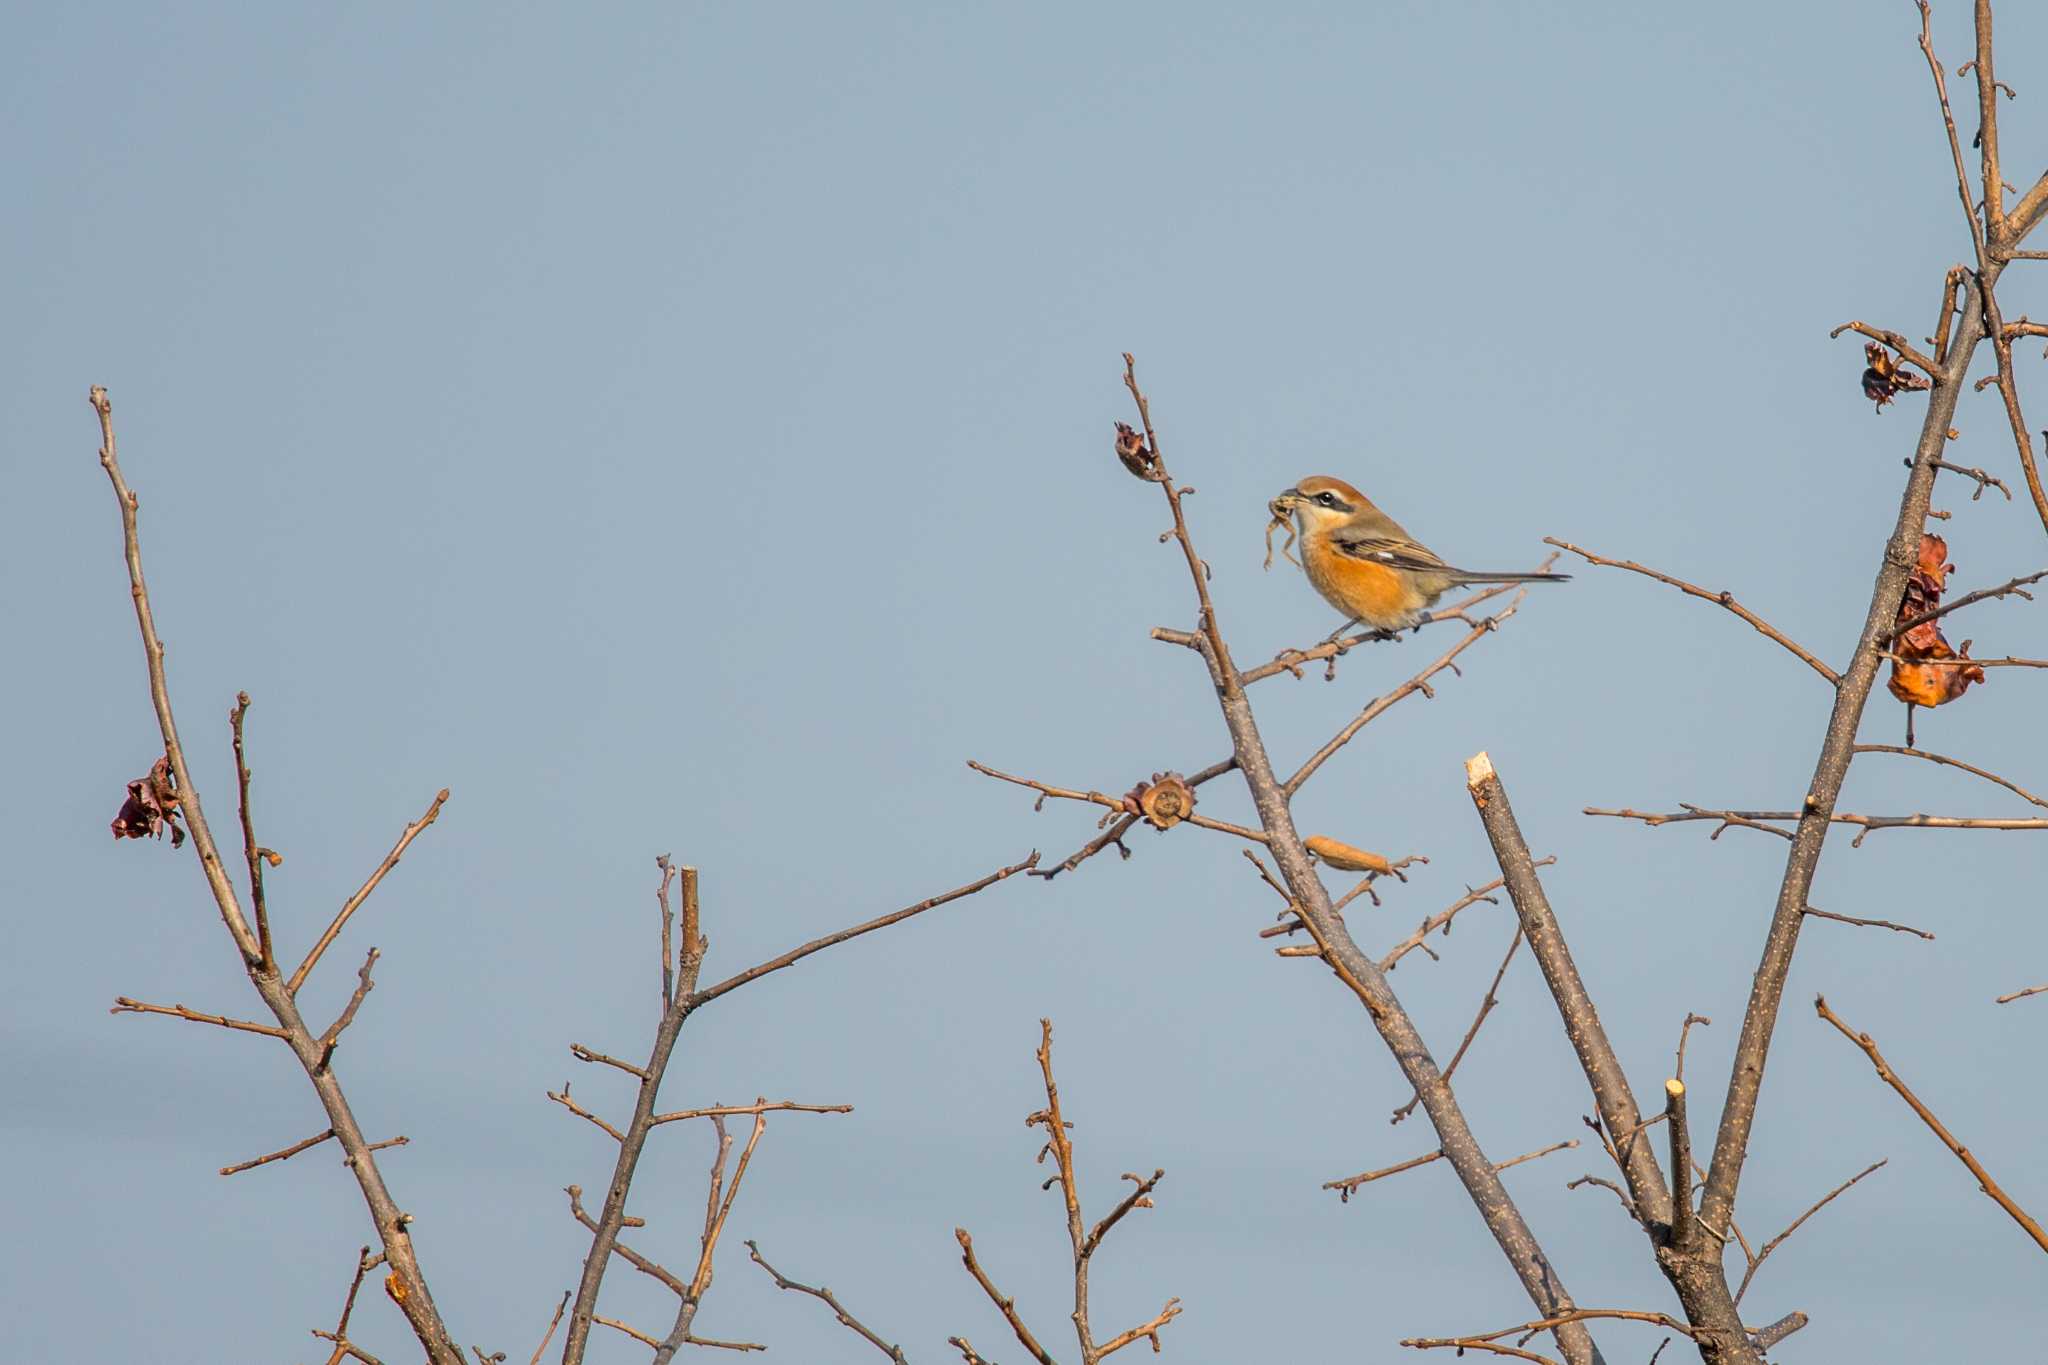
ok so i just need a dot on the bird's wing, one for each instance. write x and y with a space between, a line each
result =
1394 552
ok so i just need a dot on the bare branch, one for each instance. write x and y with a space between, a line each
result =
1723 599
1885 1073
1528 1329
1983 479
643 1264
159 694
1757 1260
354 903
668 959
254 855
2007 999
1611 1093
1006 1305
1955 146
1752 819
1871 923
1348 1186
1443 918
2012 587
797 954
553 1323
1684 1032
758 1107
123 1005
285 1155
343 1347
1684 1223
348 1012
1419 683
563 1099
584 1054
1946 761
824 1296
1485 1008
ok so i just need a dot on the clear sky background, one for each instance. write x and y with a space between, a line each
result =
686 428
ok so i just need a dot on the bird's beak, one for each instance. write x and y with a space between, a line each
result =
1284 503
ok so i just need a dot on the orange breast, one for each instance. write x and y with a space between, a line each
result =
1373 593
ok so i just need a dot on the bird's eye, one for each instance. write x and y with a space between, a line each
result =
1327 499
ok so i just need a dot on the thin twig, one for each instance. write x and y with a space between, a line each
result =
553 1323
584 1054
1008 1306
1348 1186
348 1012
1443 918
1685 1031
1889 1077
123 1005
254 854
354 903
1946 761
799 953
825 1296
2011 587
668 960
1871 923
1757 1260
1485 1008
1528 1329
1723 599
758 1107
2008 998
285 1155
1750 819
1419 683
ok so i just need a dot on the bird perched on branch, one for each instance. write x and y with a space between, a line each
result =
1364 564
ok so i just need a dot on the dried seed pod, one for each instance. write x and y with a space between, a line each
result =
1165 801
1344 857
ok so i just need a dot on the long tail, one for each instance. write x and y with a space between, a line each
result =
1465 577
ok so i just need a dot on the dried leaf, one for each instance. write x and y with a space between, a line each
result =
1344 857
1136 455
1922 675
1885 378
151 807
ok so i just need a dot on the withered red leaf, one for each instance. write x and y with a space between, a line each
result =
1135 454
1924 672
151 807
1884 377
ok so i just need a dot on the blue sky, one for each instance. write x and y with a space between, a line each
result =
686 429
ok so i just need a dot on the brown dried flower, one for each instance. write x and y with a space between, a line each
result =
1164 802
1136 455
1884 378
151 806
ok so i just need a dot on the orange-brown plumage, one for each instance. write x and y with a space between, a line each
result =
1362 561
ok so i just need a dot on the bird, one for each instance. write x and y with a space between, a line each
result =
1365 565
